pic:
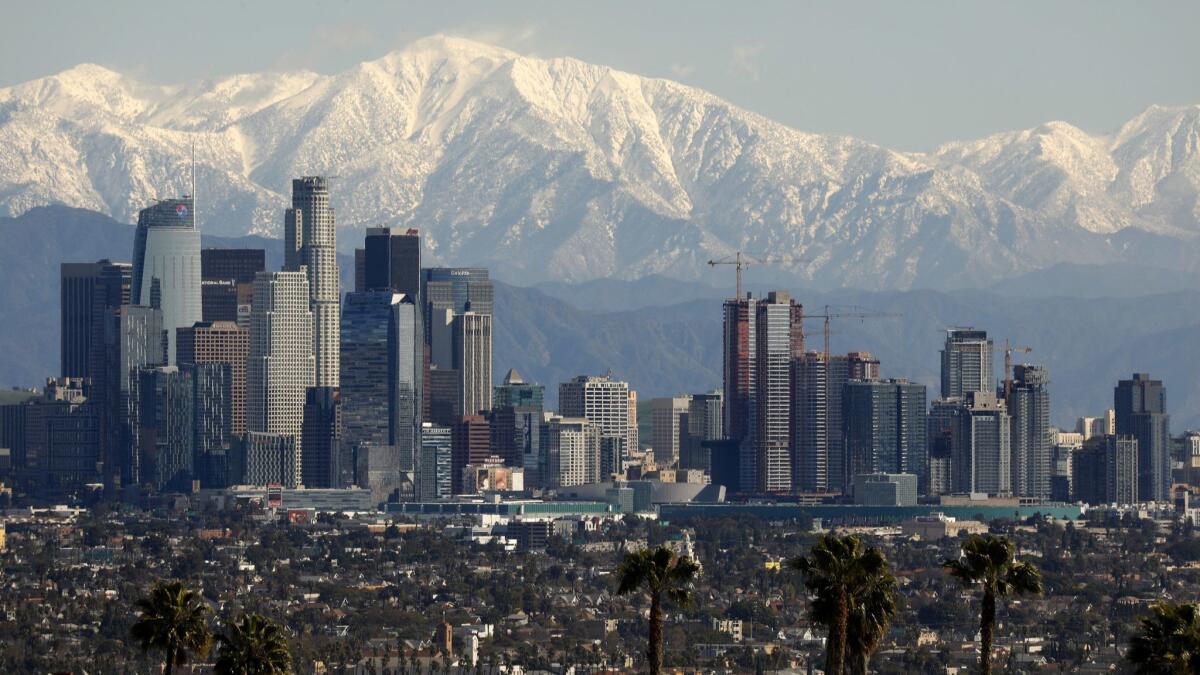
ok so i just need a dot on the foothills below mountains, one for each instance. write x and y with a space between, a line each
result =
560 170
664 335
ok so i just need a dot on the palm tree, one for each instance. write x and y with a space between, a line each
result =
989 561
1167 641
657 572
871 614
173 620
253 646
853 588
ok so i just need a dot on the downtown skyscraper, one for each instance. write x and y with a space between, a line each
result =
966 362
1029 406
778 339
381 385
280 368
1141 406
310 242
166 266
458 304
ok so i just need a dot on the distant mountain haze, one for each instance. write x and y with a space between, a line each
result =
556 170
664 335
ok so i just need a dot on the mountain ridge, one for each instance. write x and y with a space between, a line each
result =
664 335
560 170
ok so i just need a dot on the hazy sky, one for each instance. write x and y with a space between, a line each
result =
905 74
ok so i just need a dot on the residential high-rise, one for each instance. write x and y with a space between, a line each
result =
1029 405
271 459
1141 412
321 462
668 428
212 420
738 366
632 437
778 339
436 465
966 362
392 261
220 342
810 429
470 440
605 402
884 427
166 266
705 424
381 376
982 446
310 244
54 438
89 291
941 425
572 452
168 432
1105 471
280 367
132 341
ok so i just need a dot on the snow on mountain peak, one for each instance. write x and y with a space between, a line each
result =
557 168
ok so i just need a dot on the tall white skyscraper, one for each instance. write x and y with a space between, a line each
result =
310 243
166 266
281 363
604 402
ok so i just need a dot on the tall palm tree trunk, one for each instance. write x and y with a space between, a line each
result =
831 647
169 666
837 660
656 634
987 624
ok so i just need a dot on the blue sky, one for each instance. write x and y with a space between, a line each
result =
907 75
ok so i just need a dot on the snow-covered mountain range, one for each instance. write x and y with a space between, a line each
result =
556 169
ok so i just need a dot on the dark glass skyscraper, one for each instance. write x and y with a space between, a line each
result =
392 261
237 264
381 377
88 291
321 463
884 427
1141 411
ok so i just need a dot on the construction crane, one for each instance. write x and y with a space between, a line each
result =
741 262
850 313
1009 349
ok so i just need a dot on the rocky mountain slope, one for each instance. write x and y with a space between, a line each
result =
560 170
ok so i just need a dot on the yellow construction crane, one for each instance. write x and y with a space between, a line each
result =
1009 349
741 262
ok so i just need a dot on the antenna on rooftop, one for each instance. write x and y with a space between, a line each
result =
195 206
